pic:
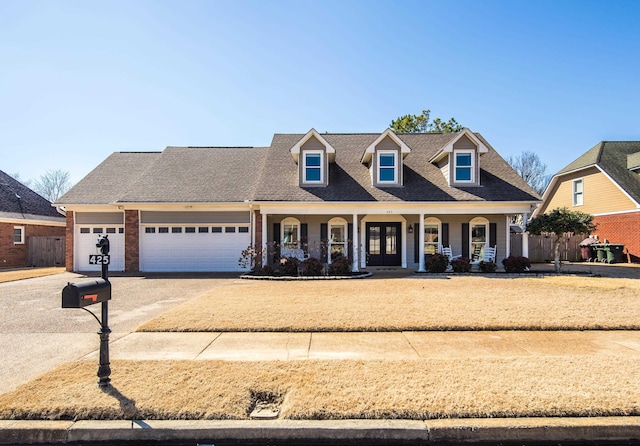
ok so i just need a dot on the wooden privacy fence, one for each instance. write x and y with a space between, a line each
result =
45 251
541 247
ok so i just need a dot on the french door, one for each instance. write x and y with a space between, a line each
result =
384 244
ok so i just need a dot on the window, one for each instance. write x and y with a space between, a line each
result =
479 230
244 229
163 230
463 168
203 229
290 233
337 237
431 236
387 167
111 230
149 230
312 167
578 193
85 231
120 230
97 230
18 235
230 229
176 230
216 229
190 230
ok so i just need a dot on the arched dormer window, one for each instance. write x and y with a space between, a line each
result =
290 233
337 237
478 237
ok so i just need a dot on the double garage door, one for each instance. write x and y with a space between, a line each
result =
192 247
86 238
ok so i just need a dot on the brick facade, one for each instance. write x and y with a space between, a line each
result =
69 243
621 229
15 256
131 241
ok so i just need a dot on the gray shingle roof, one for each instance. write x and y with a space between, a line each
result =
29 205
233 175
612 158
350 180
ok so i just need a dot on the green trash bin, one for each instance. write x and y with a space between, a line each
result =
601 254
615 253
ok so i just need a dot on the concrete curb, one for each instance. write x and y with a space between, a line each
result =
432 431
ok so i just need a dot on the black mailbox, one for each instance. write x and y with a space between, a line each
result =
80 295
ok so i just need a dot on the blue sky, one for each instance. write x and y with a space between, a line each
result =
82 79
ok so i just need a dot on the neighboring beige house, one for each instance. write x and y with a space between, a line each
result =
380 198
603 182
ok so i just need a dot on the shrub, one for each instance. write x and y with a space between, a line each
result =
265 271
436 263
311 267
488 267
516 264
461 265
289 267
340 266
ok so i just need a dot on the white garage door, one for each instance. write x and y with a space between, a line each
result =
192 248
86 238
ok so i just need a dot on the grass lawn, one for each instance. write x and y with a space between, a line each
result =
28 273
413 303
509 387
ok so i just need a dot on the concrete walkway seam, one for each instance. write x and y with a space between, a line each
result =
449 430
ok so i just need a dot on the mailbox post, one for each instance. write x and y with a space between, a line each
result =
81 295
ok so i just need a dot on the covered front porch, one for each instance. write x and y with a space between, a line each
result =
375 237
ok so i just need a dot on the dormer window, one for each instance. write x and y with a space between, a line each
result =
312 167
387 167
464 166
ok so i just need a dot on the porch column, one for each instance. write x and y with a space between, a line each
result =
356 244
421 245
264 239
404 244
363 257
525 236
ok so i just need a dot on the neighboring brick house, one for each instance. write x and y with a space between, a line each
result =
603 182
24 214
380 198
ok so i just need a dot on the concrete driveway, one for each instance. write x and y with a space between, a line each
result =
36 334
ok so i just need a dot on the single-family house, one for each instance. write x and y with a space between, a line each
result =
25 215
382 199
604 182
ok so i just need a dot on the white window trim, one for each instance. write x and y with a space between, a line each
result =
21 242
395 165
338 221
478 221
575 194
304 166
432 221
472 167
289 221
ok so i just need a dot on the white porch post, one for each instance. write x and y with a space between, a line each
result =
356 244
265 251
421 245
525 236
404 244
507 251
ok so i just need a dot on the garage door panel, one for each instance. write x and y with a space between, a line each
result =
85 245
191 252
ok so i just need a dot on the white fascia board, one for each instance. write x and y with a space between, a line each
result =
604 214
395 208
26 222
449 147
404 149
163 207
329 150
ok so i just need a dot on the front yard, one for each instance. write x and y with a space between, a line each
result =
412 304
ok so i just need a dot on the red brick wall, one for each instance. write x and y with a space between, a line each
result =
15 256
621 229
131 241
69 247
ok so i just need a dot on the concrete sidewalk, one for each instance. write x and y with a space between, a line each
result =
408 345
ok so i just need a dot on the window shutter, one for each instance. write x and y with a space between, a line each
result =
323 242
304 238
276 242
465 240
445 234
416 242
493 234
350 240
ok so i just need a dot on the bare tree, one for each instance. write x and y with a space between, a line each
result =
52 184
531 168
16 176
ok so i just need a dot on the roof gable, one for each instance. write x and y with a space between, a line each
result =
17 201
464 133
388 133
295 150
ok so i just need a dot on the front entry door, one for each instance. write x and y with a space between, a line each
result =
383 244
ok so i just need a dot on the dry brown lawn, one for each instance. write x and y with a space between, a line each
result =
28 273
455 303
511 387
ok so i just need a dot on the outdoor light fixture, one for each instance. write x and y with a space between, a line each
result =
410 229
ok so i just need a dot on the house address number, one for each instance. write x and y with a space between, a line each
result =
99 259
